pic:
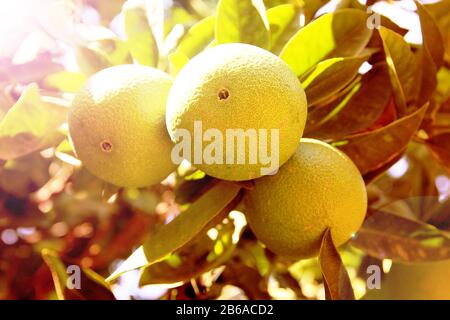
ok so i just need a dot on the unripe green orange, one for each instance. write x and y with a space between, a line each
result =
117 126
318 188
238 86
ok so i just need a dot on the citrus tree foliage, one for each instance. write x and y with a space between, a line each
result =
381 98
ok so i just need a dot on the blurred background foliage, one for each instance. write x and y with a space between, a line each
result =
382 96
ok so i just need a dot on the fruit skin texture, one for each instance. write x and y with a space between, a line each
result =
238 86
117 126
318 188
421 281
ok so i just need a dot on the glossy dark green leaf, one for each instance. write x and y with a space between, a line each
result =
340 34
242 21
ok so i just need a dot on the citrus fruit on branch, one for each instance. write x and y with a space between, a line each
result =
318 188
117 126
238 86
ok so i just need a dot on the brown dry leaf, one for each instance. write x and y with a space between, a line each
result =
336 280
440 147
432 37
360 109
390 236
402 67
426 77
371 151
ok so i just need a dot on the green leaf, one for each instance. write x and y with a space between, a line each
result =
185 227
402 67
102 50
329 77
442 93
365 151
284 21
199 256
140 39
198 37
92 285
243 21
336 280
90 61
359 110
6 102
177 61
31 125
66 81
58 270
340 34
390 236
432 37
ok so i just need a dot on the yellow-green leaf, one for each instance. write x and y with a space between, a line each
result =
242 21
31 125
177 61
284 21
102 51
182 229
58 271
200 256
66 81
340 34
140 39
198 37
